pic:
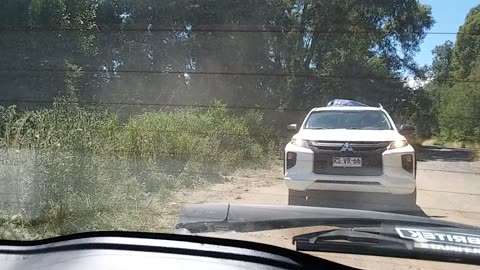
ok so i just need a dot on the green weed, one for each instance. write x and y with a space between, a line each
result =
77 169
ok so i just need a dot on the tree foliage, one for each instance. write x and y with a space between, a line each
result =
467 46
455 89
442 61
138 50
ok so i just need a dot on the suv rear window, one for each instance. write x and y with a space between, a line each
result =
364 120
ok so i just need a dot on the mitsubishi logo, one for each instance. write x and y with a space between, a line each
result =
347 148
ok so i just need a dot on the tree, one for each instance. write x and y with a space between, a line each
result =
35 49
305 52
422 112
441 74
456 100
442 61
460 114
467 46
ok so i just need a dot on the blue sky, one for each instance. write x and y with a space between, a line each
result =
449 16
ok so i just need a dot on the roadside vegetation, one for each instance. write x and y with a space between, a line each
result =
117 143
451 100
78 169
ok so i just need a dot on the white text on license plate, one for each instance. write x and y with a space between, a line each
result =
347 162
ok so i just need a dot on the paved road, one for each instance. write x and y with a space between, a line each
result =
449 185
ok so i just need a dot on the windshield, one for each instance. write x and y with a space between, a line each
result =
115 115
365 120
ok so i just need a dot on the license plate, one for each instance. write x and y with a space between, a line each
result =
347 162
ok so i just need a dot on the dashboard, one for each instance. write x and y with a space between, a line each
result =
122 250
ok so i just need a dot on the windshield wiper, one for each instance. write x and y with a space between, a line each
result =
386 241
356 231
368 239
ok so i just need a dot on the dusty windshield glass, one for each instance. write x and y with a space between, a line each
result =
366 120
115 115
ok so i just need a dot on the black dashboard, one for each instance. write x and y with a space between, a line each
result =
125 250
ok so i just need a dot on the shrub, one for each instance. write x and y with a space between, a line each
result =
81 169
458 114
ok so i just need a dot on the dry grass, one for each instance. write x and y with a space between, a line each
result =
79 170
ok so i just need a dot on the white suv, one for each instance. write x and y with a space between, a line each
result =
350 148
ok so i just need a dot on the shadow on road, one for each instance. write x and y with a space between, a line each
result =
363 201
438 153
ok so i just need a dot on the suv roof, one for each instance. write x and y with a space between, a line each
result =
347 108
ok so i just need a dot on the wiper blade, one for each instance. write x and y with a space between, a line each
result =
386 241
348 239
357 231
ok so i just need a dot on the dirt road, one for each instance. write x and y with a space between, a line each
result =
448 185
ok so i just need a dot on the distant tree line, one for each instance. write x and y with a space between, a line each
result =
452 100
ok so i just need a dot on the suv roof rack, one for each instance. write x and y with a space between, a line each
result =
345 102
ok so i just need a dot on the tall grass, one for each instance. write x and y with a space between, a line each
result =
69 169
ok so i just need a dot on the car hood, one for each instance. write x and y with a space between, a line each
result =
345 135
211 217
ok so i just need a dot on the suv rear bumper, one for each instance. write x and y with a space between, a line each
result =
394 179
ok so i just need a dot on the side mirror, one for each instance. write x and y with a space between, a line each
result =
406 130
292 127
